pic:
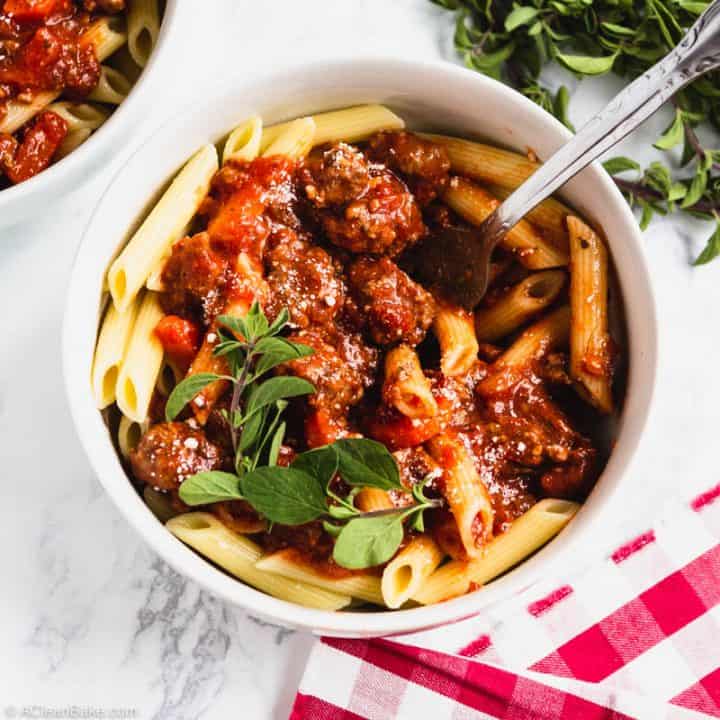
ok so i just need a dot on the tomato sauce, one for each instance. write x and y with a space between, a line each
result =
351 302
42 49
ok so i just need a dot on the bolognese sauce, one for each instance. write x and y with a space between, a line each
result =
43 49
329 236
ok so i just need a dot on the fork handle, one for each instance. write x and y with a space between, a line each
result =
697 53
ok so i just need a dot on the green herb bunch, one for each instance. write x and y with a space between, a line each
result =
302 492
513 42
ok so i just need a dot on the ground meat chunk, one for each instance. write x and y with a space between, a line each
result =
361 207
397 309
340 369
424 165
302 278
194 277
170 452
336 177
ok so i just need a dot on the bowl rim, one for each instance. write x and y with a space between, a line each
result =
346 623
90 153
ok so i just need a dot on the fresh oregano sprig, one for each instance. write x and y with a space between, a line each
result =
514 41
304 491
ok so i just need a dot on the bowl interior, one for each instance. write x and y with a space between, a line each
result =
434 97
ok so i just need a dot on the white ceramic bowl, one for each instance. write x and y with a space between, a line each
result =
35 195
434 96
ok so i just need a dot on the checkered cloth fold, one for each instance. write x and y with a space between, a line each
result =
635 635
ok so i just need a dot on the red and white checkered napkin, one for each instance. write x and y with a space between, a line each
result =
634 636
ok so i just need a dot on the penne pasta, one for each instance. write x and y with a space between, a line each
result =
112 88
407 572
112 343
168 378
107 35
289 564
529 246
142 362
590 343
527 534
239 556
405 386
143 29
455 332
243 143
518 305
80 116
549 216
464 491
72 141
369 499
295 141
550 332
163 226
348 125
129 434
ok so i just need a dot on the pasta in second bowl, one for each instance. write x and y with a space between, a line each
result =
296 406
69 66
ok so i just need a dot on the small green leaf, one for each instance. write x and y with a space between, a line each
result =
697 189
210 487
711 249
321 463
618 29
647 215
185 391
274 389
560 107
367 542
236 325
673 135
587 64
277 350
330 529
522 15
367 463
279 322
256 322
276 443
284 495
620 164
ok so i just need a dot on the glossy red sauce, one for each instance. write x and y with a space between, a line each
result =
351 304
42 49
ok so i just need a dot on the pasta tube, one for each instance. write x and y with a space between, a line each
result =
142 362
590 343
347 125
406 573
143 29
238 555
288 564
112 88
454 329
369 499
465 492
515 307
243 143
295 141
406 387
476 205
527 534
129 434
163 226
109 352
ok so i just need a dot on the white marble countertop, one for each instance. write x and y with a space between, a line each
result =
89 617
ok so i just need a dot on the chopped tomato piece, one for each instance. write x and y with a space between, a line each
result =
22 161
398 431
322 429
179 337
34 10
